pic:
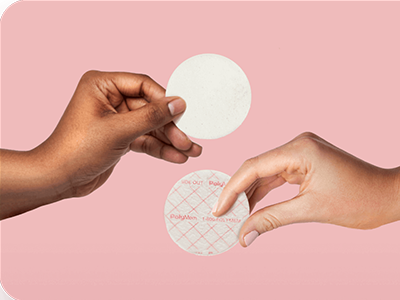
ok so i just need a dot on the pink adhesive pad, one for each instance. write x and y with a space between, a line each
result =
188 216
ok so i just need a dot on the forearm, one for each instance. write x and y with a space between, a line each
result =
383 190
397 192
27 182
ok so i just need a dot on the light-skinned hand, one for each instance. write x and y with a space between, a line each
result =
335 188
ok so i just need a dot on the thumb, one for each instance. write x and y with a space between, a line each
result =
271 217
151 116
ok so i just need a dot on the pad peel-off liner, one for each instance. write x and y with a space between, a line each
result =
188 217
217 94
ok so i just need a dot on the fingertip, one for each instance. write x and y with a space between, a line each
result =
219 212
170 154
214 209
176 106
248 233
181 161
225 202
178 158
250 237
242 243
185 143
242 234
198 148
178 138
195 150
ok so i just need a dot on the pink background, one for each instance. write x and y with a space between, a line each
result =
330 68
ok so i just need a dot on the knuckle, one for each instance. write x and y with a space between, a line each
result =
91 78
251 162
162 152
155 115
145 147
269 222
90 74
145 76
307 134
250 165
146 85
308 144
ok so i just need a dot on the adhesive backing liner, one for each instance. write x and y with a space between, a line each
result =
188 216
217 94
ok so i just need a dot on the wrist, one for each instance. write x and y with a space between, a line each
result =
391 196
28 181
397 191
47 175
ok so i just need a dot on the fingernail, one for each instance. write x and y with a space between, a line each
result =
176 106
250 237
214 210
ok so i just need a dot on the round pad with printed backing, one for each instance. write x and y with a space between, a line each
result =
188 216
217 94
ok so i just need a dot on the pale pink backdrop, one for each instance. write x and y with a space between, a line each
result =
330 68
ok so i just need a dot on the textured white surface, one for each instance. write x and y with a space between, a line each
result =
217 93
188 216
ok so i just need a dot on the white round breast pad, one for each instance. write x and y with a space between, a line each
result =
217 94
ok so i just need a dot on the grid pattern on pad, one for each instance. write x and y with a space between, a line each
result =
188 216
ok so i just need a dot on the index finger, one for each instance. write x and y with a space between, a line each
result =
117 87
267 164
137 85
